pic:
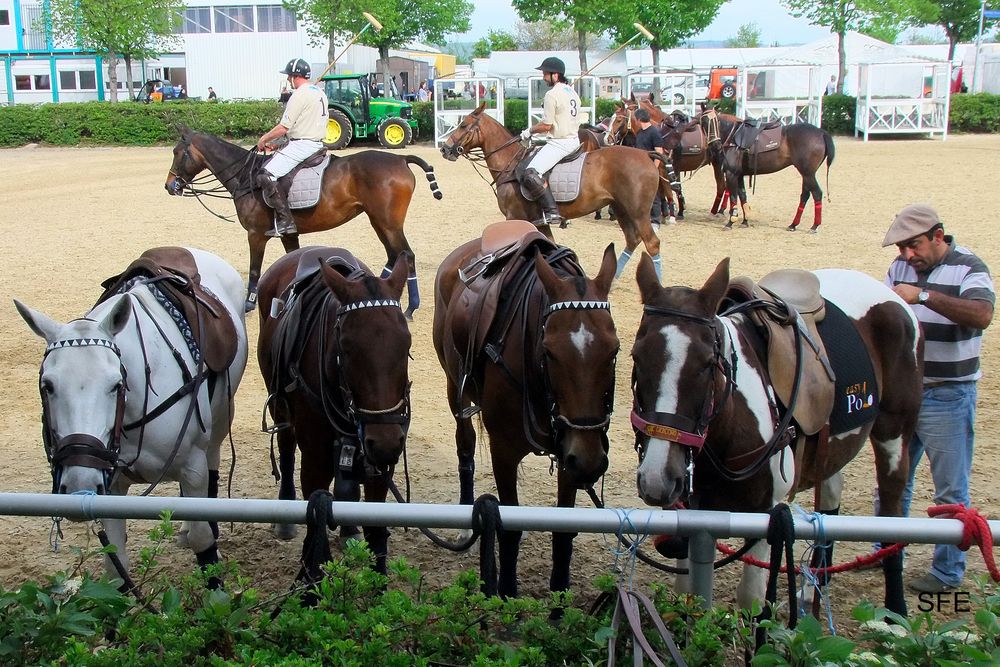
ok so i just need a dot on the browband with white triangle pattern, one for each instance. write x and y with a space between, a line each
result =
83 342
374 303
578 305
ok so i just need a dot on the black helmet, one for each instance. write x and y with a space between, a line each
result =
297 67
553 64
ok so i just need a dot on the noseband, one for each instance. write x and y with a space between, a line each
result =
83 449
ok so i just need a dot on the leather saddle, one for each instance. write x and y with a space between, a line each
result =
693 140
308 268
303 183
579 154
177 277
797 290
758 137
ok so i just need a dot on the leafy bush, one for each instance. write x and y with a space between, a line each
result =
838 113
423 112
975 113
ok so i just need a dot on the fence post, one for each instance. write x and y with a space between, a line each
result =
701 555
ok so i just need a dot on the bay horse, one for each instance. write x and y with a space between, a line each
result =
377 183
627 178
541 370
803 146
710 432
139 390
334 350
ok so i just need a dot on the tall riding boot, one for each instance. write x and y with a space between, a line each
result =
550 211
284 223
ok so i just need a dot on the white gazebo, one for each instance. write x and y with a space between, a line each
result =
455 98
671 89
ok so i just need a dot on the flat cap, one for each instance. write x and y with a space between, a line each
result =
914 220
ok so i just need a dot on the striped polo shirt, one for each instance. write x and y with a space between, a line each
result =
951 352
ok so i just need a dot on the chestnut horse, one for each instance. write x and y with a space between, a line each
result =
373 182
627 178
543 375
709 430
336 390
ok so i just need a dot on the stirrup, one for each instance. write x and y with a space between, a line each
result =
281 230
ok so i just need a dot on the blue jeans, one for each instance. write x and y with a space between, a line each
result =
945 432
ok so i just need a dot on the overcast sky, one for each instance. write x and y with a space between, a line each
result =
776 25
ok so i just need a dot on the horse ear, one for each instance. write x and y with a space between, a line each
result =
43 325
604 277
550 281
645 276
479 109
182 130
116 320
334 281
400 272
652 97
716 285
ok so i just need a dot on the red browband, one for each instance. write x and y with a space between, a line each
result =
666 432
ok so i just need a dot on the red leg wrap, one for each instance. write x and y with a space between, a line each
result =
818 219
798 215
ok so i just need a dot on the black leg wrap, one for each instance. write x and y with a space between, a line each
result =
466 481
671 546
377 538
213 492
892 569
210 556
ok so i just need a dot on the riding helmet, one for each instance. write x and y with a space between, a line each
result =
297 67
553 64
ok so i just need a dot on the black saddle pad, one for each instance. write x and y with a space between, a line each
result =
856 393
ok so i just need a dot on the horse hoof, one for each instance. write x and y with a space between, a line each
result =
814 229
728 227
249 306
680 216
744 223
284 531
408 313
791 228
671 220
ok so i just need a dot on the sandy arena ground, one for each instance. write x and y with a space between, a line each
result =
75 216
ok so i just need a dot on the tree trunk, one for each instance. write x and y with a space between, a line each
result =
112 77
331 50
952 42
581 45
128 76
657 92
383 54
841 61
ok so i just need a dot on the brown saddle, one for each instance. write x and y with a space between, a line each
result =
759 137
799 290
693 139
213 328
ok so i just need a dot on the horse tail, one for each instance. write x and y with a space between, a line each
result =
828 141
428 171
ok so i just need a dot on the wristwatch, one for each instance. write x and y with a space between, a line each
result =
923 296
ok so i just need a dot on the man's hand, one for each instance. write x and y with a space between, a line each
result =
526 134
262 145
907 293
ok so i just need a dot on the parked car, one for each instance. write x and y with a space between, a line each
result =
168 90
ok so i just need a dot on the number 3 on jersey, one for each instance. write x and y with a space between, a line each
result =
572 108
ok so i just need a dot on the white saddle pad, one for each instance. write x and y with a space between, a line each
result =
564 180
306 186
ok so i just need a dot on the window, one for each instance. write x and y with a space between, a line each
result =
274 18
88 80
4 17
67 80
22 82
234 19
194 20
42 82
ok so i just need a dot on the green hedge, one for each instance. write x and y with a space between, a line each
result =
134 124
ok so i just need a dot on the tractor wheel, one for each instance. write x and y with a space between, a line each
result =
339 131
394 133
729 91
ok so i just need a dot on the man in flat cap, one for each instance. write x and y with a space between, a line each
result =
951 293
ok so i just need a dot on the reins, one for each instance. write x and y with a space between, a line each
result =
191 188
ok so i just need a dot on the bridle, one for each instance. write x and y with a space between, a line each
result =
83 449
454 149
194 187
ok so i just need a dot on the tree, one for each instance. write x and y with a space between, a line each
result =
545 36
959 18
878 16
671 23
495 40
746 37
128 28
587 18
325 21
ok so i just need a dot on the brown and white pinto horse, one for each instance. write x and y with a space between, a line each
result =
702 378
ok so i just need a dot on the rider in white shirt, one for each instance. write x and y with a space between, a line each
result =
304 122
560 124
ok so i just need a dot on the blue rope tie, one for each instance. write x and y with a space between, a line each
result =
809 576
87 506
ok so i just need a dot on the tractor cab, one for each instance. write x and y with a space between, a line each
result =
357 111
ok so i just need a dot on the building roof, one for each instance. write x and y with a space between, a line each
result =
860 49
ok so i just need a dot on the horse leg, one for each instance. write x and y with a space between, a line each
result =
721 193
803 198
394 241
286 474
377 537
817 195
562 543
346 487
828 496
201 539
505 474
635 228
744 204
892 467
257 241
731 195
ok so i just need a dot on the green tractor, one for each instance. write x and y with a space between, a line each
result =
354 113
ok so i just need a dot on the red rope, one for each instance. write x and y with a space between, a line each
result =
856 564
975 530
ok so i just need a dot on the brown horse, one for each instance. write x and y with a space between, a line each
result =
373 182
802 146
705 411
542 370
627 178
338 392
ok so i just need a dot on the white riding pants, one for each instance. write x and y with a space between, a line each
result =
553 151
291 155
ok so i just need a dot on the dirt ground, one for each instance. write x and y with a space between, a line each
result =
76 216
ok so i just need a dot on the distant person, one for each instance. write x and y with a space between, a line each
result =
181 93
423 94
649 138
831 85
285 94
211 94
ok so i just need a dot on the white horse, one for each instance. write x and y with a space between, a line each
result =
103 429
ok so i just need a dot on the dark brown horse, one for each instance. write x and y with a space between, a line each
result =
802 146
542 370
373 182
338 392
704 390
627 178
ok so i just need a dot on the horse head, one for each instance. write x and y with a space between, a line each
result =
579 347
618 126
680 344
188 163
82 382
371 348
466 136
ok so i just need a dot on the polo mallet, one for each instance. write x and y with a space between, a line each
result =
643 32
372 23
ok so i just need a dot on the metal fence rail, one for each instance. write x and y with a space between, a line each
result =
702 527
